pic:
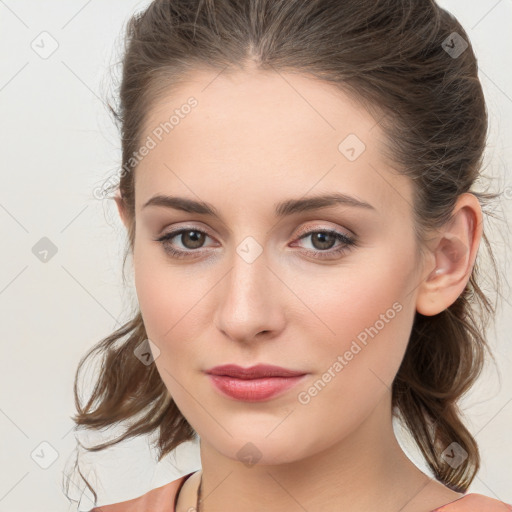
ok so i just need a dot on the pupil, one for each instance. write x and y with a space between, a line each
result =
321 238
197 238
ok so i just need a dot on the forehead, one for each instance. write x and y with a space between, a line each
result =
262 133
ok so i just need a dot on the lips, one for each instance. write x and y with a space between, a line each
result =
259 371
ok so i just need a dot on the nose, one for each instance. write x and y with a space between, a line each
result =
250 301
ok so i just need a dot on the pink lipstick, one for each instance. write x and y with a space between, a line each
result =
253 384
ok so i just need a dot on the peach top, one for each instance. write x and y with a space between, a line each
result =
163 499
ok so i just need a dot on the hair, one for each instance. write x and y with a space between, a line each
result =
391 57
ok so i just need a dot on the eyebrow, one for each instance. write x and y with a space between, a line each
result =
282 209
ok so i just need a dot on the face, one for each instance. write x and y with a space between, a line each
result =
329 291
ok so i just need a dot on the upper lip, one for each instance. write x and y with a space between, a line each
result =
253 372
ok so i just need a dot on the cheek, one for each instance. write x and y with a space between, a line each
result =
367 313
171 301
168 315
370 315
164 295
355 297
155 297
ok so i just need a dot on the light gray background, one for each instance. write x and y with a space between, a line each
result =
58 145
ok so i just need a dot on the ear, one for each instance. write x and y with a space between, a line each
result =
121 208
454 251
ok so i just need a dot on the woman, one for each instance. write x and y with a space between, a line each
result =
297 189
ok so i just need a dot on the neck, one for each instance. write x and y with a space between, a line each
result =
366 470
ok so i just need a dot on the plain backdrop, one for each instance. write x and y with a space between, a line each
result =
58 144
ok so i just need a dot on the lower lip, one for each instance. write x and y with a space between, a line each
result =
253 390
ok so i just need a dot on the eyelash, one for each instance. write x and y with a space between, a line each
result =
348 242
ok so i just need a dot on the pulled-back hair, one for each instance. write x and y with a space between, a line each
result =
396 58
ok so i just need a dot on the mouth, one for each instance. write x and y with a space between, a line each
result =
253 372
253 384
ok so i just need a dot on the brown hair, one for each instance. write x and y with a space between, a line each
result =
394 58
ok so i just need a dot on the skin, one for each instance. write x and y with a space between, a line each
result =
256 139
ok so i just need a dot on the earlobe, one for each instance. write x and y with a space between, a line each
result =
120 207
454 250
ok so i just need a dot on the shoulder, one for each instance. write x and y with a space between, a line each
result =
474 502
160 499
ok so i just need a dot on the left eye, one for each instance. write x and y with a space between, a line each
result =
328 238
193 239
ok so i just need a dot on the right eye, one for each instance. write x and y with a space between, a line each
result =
189 236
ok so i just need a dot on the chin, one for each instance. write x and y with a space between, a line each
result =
263 446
